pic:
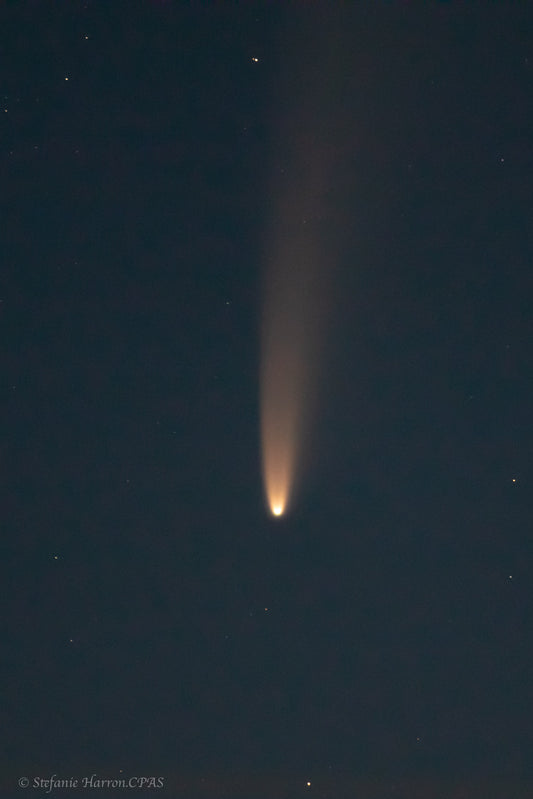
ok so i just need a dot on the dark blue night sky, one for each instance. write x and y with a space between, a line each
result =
377 640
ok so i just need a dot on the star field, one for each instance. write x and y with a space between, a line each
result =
375 641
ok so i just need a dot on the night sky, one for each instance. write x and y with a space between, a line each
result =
376 641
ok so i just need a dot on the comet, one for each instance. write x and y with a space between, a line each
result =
298 254
292 327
